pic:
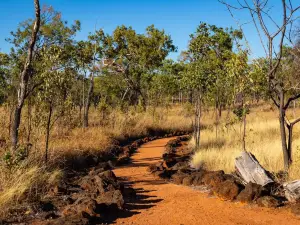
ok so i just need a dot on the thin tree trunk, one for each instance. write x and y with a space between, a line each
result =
29 121
48 131
286 158
290 139
91 88
244 133
197 120
294 109
83 97
88 100
217 119
144 103
11 111
80 109
24 78
190 97
15 126
290 142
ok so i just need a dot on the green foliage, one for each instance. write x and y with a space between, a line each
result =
210 49
241 112
136 56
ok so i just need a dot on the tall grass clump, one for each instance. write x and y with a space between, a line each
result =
262 140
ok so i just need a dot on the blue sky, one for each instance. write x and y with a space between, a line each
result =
179 18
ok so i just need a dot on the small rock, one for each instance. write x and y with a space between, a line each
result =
155 167
251 192
268 201
96 171
181 165
214 178
82 206
198 178
124 159
165 174
188 181
228 190
111 197
169 163
69 220
178 177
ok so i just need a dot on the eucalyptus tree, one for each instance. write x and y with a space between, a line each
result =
273 36
25 74
95 47
48 30
209 48
136 56
55 93
165 83
239 80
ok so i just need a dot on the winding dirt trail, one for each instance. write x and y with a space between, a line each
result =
159 202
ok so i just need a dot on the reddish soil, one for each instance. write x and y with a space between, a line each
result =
160 202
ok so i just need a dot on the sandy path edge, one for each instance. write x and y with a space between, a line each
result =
160 202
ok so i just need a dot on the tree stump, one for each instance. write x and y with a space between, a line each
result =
249 169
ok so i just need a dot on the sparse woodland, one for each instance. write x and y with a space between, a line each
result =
62 98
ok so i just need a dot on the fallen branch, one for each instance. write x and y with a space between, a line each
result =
292 190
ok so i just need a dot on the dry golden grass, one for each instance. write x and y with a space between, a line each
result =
262 139
31 177
25 183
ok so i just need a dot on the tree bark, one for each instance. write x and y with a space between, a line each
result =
24 78
286 158
48 131
29 121
244 133
197 129
88 101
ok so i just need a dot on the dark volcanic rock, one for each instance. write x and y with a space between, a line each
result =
228 190
155 167
268 201
124 159
111 197
69 220
181 165
188 180
198 180
169 163
178 177
165 174
84 206
214 178
251 192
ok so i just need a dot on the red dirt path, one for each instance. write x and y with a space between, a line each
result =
165 203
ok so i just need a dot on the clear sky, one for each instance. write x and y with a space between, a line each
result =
179 18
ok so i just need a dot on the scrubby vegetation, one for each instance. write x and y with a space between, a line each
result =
62 97
262 139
